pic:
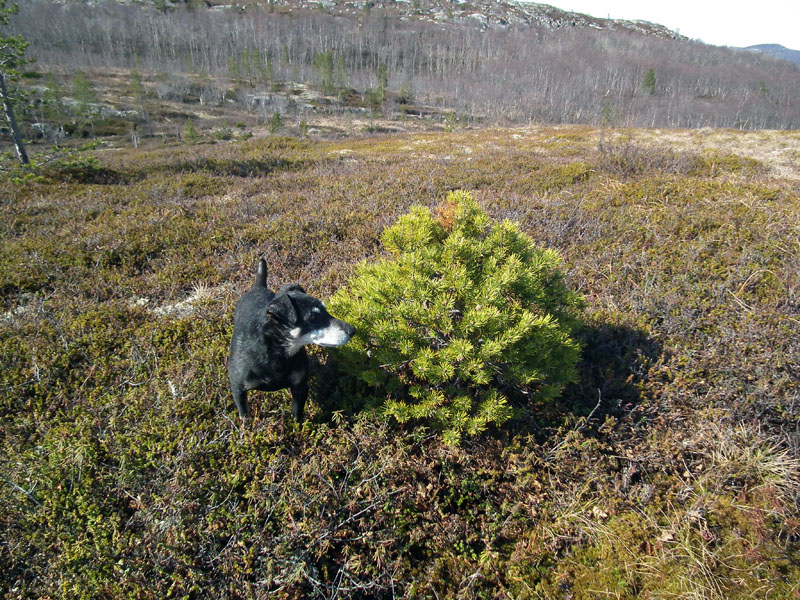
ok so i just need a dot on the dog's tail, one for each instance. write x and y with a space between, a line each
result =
261 274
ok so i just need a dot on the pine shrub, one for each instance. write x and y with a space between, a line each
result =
463 314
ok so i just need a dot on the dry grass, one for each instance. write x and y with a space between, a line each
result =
125 472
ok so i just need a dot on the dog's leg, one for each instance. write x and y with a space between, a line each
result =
240 398
299 396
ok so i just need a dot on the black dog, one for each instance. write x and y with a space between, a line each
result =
269 332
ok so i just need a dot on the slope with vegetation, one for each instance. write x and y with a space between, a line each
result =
668 469
311 62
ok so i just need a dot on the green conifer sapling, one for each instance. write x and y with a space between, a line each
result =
463 314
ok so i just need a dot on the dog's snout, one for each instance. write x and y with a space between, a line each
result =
348 329
344 332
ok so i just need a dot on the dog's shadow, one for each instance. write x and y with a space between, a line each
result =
331 389
614 367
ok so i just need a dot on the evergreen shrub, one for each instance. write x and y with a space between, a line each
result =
463 314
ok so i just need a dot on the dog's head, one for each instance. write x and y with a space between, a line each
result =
304 320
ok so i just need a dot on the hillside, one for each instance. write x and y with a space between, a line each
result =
669 470
777 51
139 73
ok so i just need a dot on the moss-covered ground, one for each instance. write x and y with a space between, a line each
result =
669 471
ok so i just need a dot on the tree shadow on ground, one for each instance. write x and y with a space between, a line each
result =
615 362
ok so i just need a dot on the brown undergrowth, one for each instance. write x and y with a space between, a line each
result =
670 470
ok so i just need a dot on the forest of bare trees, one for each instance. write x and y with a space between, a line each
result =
568 75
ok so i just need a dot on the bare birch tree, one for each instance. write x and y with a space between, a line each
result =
12 56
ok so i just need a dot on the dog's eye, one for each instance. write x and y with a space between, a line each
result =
316 310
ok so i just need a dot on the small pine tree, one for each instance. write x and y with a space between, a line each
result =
383 84
383 77
323 62
234 72
451 121
265 70
275 123
137 91
465 313
340 77
373 100
190 133
649 83
82 88
52 107
609 114
85 111
406 93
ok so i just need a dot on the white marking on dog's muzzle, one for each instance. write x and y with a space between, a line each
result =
333 335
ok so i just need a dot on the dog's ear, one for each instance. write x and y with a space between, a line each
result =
282 310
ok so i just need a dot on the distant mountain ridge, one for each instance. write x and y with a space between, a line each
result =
777 51
482 14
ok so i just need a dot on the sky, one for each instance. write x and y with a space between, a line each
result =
719 22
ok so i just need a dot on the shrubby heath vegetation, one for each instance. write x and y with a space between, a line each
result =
667 468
